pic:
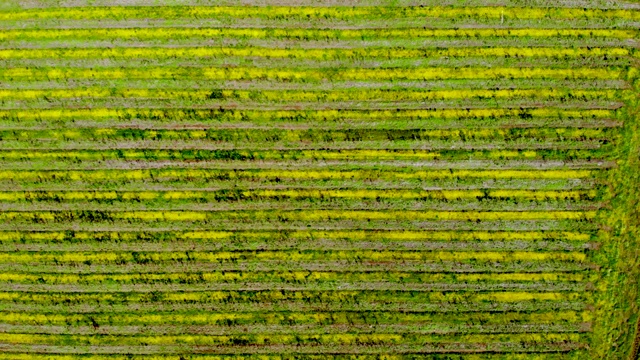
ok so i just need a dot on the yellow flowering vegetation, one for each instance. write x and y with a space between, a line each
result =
306 12
310 34
355 235
254 73
276 318
316 54
319 115
295 215
295 194
300 95
318 180
146 174
225 256
288 276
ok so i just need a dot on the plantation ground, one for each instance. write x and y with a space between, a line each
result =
375 180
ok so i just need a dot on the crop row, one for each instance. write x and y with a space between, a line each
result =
303 285
291 255
445 267
499 350
316 54
291 318
265 339
233 194
514 204
304 95
324 12
197 84
452 266
205 154
95 220
565 323
178 184
113 175
292 276
180 329
307 34
272 150
334 355
587 113
289 215
298 115
320 154
299 63
329 140
307 296
275 235
288 74
261 134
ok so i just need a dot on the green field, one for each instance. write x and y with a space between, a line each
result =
314 179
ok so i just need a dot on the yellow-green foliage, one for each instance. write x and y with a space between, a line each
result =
314 180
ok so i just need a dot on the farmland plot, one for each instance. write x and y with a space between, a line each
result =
297 179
